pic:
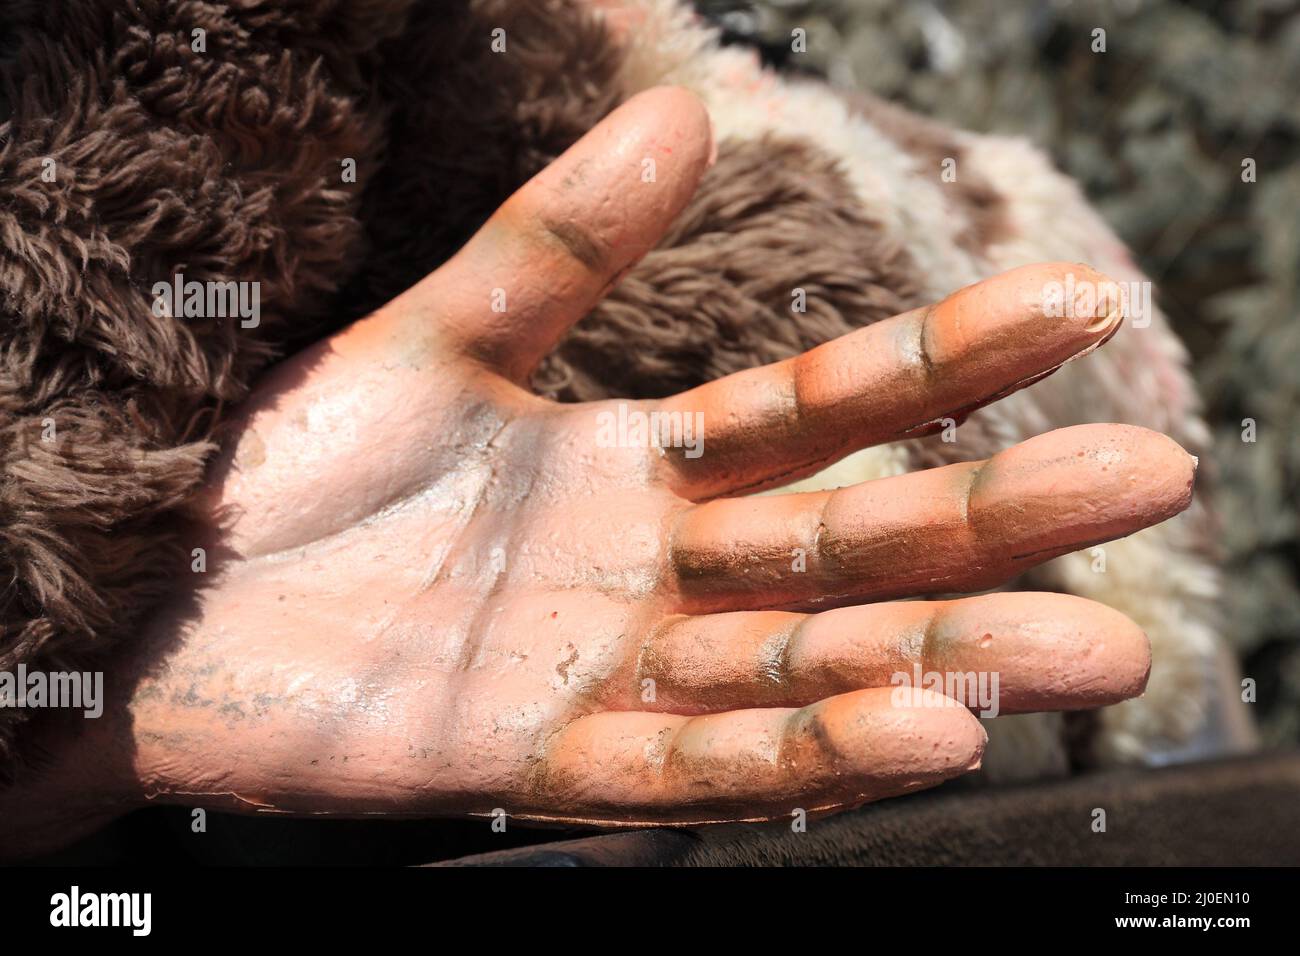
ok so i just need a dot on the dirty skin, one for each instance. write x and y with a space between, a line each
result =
431 592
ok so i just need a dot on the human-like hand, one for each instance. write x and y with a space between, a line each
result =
432 592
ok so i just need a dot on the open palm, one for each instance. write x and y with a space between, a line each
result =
430 591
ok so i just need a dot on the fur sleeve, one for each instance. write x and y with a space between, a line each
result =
139 141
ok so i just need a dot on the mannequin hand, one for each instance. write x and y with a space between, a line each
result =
431 592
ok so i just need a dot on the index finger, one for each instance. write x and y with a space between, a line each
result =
893 380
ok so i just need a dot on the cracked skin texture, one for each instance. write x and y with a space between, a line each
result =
430 592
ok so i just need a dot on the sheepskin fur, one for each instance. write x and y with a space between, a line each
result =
226 164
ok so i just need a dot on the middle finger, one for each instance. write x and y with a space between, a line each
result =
964 527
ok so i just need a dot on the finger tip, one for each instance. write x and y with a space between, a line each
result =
938 736
680 113
1078 487
1157 461
1030 320
1102 657
1044 651
1088 305
1134 463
